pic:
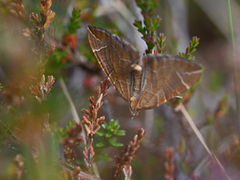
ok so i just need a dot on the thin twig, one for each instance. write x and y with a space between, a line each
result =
126 157
95 170
193 126
230 25
93 124
235 72
73 109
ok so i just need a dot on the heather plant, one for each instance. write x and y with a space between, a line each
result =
56 109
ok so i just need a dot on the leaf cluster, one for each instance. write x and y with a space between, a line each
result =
74 23
61 132
149 24
111 131
191 49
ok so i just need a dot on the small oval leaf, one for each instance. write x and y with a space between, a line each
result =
104 158
100 144
120 133
116 123
108 135
101 134
118 145
112 142
117 127
111 123
104 126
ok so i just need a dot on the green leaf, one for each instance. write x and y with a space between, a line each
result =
104 126
74 23
182 146
140 27
104 153
210 119
225 98
112 142
100 144
111 123
118 145
156 23
116 123
120 133
184 167
193 50
141 5
109 129
117 127
104 158
108 135
101 134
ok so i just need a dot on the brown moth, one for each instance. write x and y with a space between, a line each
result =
159 79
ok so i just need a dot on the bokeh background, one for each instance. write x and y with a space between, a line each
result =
181 20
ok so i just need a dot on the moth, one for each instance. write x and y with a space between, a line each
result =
158 79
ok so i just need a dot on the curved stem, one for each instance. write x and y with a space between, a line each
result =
235 72
200 137
73 109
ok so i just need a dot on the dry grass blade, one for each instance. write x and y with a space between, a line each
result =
198 134
126 157
73 109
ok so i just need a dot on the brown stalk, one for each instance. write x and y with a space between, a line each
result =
169 164
72 141
92 124
126 157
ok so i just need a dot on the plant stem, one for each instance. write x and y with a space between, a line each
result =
199 136
230 25
235 72
73 109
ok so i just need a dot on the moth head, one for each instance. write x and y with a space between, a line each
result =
134 114
136 68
